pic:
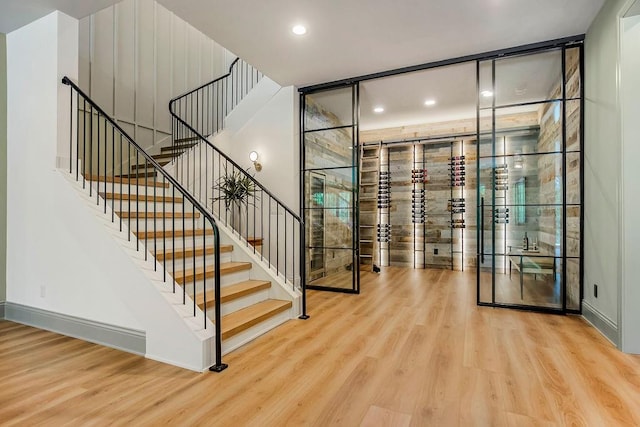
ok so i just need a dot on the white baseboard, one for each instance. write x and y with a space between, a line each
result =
125 339
601 322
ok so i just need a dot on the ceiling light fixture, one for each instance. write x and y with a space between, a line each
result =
299 30
378 110
430 102
486 93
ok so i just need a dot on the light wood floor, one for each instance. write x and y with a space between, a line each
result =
412 350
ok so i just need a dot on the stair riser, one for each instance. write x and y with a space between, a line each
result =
254 332
244 302
134 189
225 280
146 207
200 261
168 242
158 225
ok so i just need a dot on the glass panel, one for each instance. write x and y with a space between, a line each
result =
573 231
573 283
573 125
573 79
329 148
529 280
485 96
529 78
333 268
334 193
573 178
485 288
328 109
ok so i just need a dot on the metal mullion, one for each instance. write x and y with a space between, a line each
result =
522 104
493 183
581 68
329 128
564 182
479 203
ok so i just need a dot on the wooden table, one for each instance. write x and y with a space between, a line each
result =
531 262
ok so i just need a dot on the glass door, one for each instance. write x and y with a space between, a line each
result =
529 181
329 128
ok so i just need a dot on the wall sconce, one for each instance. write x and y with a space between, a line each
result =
253 156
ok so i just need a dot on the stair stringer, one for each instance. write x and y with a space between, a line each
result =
173 334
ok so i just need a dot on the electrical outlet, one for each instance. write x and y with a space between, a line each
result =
595 290
435 251
43 291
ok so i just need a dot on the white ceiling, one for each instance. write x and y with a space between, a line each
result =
17 13
348 38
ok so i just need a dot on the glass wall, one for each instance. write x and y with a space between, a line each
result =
330 182
530 180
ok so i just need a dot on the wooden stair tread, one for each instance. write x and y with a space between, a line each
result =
180 253
141 197
241 320
200 273
254 241
139 174
158 215
233 292
148 165
169 156
159 234
190 138
122 180
178 147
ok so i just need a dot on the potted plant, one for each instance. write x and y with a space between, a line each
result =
234 189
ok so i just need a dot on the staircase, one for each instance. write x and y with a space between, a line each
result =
214 275
180 244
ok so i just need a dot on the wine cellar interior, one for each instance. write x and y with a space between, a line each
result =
486 179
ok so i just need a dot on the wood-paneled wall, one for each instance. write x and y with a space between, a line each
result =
137 55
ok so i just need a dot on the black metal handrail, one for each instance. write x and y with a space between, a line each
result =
93 127
201 113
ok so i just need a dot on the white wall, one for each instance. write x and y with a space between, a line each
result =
272 131
3 167
630 100
60 256
602 164
40 273
137 55
609 200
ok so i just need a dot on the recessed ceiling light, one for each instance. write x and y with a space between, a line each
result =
486 93
378 110
299 30
430 102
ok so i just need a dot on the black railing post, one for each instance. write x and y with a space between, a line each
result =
219 366
303 272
